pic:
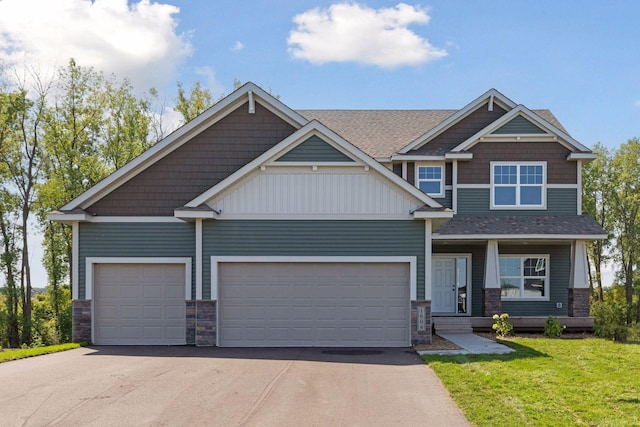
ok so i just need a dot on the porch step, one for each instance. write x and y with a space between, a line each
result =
452 325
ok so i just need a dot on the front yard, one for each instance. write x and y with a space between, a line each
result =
547 382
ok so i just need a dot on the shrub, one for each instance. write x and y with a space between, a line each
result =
502 325
611 319
553 328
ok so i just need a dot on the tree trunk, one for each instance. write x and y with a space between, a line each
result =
26 271
13 329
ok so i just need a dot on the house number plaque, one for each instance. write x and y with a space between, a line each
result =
422 319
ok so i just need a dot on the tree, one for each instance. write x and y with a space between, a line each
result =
625 170
597 202
191 105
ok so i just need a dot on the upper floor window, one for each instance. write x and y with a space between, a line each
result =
518 185
430 179
524 277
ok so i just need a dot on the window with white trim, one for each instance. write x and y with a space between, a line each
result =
430 179
518 185
524 277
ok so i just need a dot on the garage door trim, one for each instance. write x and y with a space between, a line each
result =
217 260
90 262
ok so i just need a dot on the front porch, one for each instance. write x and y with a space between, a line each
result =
520 323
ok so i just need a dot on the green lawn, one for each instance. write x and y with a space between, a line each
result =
547 382
20 353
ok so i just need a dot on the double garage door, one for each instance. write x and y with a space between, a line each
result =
259 304
313 304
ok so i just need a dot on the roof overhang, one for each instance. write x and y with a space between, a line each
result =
582 156
519 237
553 133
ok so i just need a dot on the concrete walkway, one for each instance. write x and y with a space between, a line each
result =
471 344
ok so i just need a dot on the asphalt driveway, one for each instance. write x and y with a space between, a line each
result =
224 387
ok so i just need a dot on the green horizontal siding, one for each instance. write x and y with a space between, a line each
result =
314 149
445 201
519 125
560 274
134 240
313 238
475 201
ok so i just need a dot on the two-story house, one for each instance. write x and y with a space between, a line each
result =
258 225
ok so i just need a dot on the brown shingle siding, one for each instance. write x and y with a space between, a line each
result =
196 166
477 171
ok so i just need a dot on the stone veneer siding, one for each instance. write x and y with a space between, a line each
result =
420 337
81 321
205 323
579 302
491 301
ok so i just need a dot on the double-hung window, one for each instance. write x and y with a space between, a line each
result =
524 277
430 179
518 185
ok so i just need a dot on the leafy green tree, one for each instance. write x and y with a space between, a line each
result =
597 201
625 170
195 102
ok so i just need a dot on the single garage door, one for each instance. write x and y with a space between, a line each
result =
139 304
314 304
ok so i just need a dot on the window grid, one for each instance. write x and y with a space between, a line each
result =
518 185
430 180
524 277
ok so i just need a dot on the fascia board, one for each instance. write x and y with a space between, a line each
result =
456 117
416 157
437 214
179 137
563 138
68 217
582 156
436 236
314 127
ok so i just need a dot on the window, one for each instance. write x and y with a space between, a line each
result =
524 277
518 185
430 180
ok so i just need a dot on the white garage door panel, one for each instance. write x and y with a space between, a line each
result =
139 304
314 304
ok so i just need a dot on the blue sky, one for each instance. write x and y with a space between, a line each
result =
580 59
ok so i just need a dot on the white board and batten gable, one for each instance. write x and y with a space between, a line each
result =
313 174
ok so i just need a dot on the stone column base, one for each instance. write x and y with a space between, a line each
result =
205 328
81 321
491 301
420 328
579 302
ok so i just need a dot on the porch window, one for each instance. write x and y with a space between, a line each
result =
518 185
430 179
524 277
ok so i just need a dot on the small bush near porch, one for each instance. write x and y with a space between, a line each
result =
547 382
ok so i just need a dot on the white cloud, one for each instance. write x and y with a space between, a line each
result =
354 32
210 81
238 46
637 103
137 41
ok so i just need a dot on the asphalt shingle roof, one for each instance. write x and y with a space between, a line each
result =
522 224
382 133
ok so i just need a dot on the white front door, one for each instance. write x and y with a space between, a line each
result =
444 285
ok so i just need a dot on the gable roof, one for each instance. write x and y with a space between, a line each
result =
522 111
248 91
316 128
384 133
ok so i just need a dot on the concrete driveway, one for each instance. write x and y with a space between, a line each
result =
122 386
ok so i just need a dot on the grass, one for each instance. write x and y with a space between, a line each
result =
547 382
21 353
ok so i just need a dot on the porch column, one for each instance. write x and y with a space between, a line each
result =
491 298
579 283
